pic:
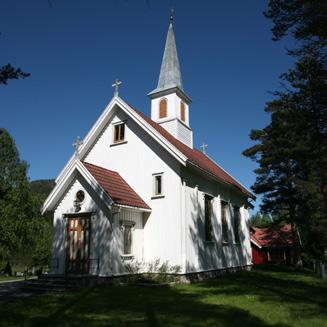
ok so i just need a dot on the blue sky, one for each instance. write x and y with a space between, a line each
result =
75 49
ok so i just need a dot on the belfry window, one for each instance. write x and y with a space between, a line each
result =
163 108
183 111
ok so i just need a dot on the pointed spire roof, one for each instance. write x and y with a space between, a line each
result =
170 73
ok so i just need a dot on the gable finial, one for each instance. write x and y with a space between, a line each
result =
116 86
203 147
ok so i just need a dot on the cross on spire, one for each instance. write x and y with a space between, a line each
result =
77 144
172 13
203 147
116 86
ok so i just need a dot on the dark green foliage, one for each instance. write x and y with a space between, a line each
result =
292 150
304 20
8 72
23 232
261 220
42 187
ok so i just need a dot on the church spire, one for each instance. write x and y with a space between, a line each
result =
169 103
170 73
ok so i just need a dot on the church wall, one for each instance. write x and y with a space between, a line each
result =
137 161
202 255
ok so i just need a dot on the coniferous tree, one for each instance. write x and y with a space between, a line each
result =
292 150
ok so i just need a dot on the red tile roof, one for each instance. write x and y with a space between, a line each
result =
196 157
116 187
274 236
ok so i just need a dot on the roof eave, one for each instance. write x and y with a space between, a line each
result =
214 177
156 93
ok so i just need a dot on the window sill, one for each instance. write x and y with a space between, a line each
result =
118 143
127 257
209 242
157 197
225 244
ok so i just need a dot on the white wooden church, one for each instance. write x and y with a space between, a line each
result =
137 190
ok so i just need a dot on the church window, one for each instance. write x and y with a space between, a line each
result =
183 111
236 223
128 239
127 228
208 218
157 184
224 225
163 108
80 196
119 133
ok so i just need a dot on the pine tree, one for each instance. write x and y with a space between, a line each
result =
292 150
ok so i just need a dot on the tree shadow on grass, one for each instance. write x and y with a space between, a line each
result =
127 306
279 286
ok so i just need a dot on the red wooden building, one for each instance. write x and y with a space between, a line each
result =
275 244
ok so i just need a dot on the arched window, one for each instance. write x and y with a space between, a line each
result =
163 108
182 111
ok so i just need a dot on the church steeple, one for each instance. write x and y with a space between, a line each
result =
169 102
170 73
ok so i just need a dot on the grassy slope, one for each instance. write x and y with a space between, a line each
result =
265 297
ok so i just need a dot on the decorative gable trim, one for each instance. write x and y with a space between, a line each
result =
69 175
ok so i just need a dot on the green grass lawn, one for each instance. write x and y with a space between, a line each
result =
9 278
264 297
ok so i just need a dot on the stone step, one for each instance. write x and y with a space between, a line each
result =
49 285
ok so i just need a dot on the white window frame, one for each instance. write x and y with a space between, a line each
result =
162 194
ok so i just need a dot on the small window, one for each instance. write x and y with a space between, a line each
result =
158 186
80 196
182 111
127 239
236 223
163 108
224 225
119 133
208 218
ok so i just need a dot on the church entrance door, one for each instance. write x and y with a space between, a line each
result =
78 245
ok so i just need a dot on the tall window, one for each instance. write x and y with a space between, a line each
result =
119 133
208 218
236 223
224 225
128 239
183 111
163 108
157 184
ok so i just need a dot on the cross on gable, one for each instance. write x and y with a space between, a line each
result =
116 86
203 147
77 144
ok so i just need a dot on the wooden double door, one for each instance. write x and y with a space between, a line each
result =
78 245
